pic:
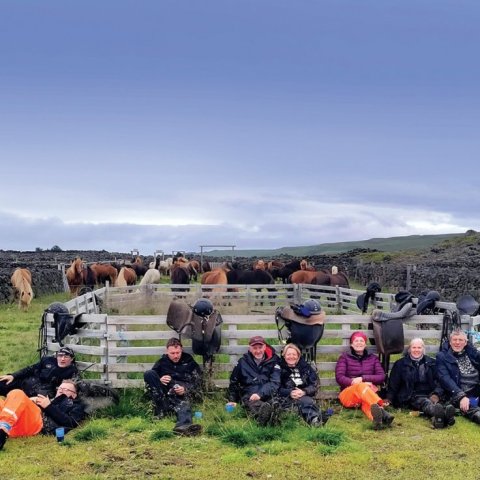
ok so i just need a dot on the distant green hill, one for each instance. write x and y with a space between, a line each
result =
391 244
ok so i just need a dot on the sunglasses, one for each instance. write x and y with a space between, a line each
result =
65 389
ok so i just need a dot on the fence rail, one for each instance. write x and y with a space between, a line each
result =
118 348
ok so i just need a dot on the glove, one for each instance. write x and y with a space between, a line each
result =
434 398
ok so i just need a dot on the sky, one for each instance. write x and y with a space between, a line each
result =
169 124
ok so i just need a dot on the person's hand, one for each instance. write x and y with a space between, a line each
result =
464 404
179 390
386 403
297 393
254 397
43 401
6 378
166 379
434 398
357 380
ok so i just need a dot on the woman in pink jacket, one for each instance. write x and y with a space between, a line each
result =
359 374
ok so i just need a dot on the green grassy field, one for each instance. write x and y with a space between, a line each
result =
125 442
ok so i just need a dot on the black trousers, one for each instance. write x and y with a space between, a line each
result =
166 402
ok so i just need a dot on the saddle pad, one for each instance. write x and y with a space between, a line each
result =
179 317
287 313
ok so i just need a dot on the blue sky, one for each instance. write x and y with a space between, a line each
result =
165 125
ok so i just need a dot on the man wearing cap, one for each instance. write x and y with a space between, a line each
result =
42 377
255 381
21 416
173 382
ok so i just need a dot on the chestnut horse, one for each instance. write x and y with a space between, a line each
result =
105 273
126 277
22 283
74 275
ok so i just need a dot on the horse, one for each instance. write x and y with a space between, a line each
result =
180 275
305 266
74 275
165 266
151 276
139 268
288 269
105 273
89 278
126 277
249 277
339 279
217 276
306 276
22 284
259 265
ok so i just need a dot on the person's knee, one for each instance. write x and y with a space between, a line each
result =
150 375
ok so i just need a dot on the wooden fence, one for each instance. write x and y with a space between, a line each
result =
117 349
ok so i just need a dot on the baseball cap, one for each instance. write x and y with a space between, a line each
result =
257 340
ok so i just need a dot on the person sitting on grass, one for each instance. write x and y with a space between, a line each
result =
255 381
299 385
458 368
42 377
359 373
21 416
172 383
413 383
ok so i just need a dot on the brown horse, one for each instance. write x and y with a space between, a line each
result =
259 265
126 277
105 273
307 276
74 275
217 276
339 280
22 283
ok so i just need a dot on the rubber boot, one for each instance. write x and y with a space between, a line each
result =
436 412
450 412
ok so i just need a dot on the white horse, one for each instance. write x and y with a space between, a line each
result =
152 276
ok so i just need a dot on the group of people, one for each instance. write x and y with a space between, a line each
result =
435 387
44 396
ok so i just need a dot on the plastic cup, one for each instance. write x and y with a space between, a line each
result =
229 408
60 434
473 402
198 415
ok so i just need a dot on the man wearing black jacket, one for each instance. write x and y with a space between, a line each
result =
413 383
255 381
173 382
43 377
22 416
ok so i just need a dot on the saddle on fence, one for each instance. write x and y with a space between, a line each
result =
201 323
64 324
305 325
388 329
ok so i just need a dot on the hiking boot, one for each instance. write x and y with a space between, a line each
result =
3 438
316 422
387 418
188 430
264 414
438 418
275 415
450 412
476 417
377 414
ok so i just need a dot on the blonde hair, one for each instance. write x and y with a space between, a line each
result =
293 346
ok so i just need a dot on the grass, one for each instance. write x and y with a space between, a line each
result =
125 441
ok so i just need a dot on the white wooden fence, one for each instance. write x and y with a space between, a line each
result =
118 348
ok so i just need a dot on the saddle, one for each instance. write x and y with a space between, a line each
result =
205 332
362 300
304 331
467 305
388 329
